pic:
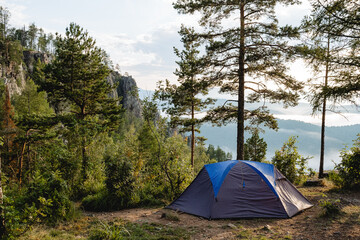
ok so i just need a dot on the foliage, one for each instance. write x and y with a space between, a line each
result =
344 26
336 179
184 100
255 148
119 180
349 168
289 162
249 53
202 157
51 187
218 154
30 101
120 230
19 220
78 76
44 200
330 207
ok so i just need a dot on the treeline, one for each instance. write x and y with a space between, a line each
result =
30 37
65 140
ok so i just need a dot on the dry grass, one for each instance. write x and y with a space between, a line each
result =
159 223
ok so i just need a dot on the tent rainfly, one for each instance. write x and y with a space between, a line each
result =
240 189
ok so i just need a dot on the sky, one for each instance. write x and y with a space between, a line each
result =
139 36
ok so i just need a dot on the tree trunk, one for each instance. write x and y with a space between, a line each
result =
21 161
2 218
322 147
192 136
84 159
241 90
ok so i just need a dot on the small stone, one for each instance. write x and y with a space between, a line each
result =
267 228
230 225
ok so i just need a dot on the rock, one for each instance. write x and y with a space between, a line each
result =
230 225
31 57
127 90
267 228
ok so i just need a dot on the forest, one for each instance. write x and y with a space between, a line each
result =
72 141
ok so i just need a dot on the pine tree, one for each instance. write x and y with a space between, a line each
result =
321 47
255 148
10 51
78 76
32 36
345 26
184 100
30 101
245 54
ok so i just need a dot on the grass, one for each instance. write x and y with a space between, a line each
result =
92 229
306 225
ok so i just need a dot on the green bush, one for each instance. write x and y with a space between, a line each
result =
349 168
43 200
330 207
119 189
119 179
290 163
53 191
336 179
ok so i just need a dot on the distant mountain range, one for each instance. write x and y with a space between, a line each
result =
337 137
308 139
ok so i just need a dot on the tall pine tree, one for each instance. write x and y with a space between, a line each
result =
78 76
321 47
184 100
246 54
345 25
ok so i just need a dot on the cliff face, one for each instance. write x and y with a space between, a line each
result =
128 92
31 57
15 77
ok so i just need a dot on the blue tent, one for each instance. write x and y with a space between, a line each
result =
240 189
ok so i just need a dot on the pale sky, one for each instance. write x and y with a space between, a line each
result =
139 35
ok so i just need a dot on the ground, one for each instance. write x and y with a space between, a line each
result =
159 223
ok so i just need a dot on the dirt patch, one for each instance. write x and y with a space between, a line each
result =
306 225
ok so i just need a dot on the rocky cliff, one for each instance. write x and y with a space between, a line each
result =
126 88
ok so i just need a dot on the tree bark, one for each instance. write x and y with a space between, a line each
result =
241 90
2 218
192 136
322 146
84 159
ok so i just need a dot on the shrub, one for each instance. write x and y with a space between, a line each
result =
336 179
290 163
43 200
119 189
349 168
330 207
53 191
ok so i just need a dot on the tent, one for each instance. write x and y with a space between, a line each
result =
240 189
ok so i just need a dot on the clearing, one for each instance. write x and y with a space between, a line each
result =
159 223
